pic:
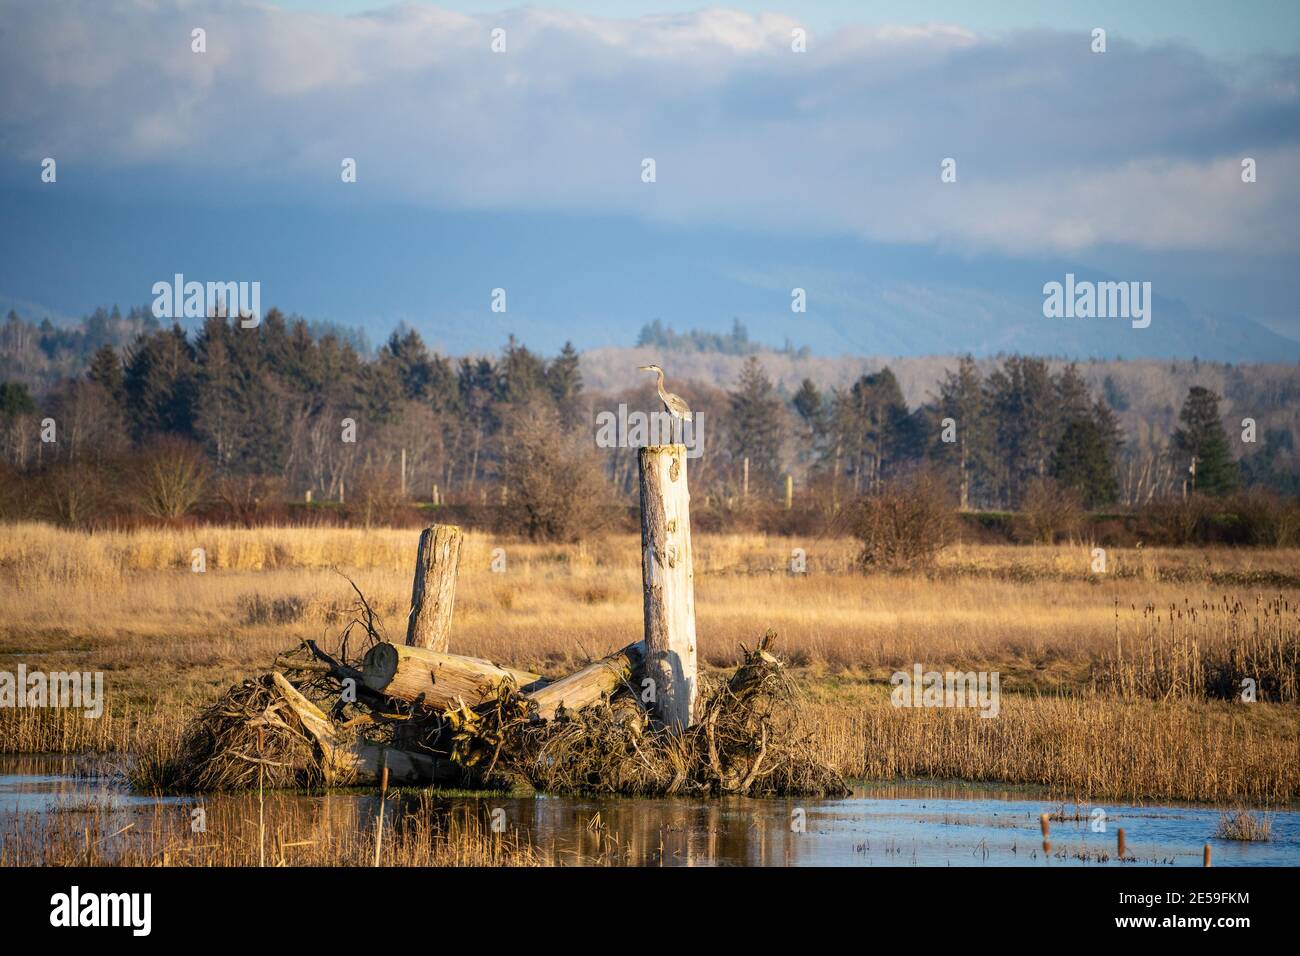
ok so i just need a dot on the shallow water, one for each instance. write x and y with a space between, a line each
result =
905 824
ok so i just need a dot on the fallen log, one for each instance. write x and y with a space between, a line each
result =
435 680
587 685
361 765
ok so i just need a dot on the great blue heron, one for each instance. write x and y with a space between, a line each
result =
675 404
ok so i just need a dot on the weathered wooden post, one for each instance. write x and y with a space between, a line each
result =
668 582
433 594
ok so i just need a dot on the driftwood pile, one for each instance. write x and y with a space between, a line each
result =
427 716
434 718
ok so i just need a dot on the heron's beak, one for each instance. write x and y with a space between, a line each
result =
646 368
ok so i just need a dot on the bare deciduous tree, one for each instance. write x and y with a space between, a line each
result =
556 490
170 478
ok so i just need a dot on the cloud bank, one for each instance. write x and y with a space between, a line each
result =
1058 149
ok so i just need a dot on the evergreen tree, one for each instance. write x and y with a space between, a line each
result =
523 374
1083 461
272 341
906 441
411 364
160 385
872 427
1114 395
962 399
1108 423
1202 440
382 392
1266 468
106 371
15 400
807 403
263 398
564 377
1073 403
442 392
220 415
332 371
1021 401
653 334
756 421
478 385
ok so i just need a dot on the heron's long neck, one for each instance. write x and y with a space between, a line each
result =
660 375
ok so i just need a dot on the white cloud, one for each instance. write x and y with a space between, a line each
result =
1057 148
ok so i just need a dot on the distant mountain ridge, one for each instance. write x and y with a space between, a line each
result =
899 319
862 298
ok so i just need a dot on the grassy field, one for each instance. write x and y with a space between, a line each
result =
1117 685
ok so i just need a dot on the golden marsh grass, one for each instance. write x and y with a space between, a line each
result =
1076 716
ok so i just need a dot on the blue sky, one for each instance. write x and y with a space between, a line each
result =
774 169
1212 26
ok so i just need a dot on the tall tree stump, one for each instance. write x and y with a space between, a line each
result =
668 583
433 594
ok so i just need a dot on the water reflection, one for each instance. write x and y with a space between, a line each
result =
894 824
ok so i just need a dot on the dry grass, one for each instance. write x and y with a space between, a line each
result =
1079 748
1075 715
1222 648
418 831
1245 826
131 600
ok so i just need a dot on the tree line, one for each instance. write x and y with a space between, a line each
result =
286 408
